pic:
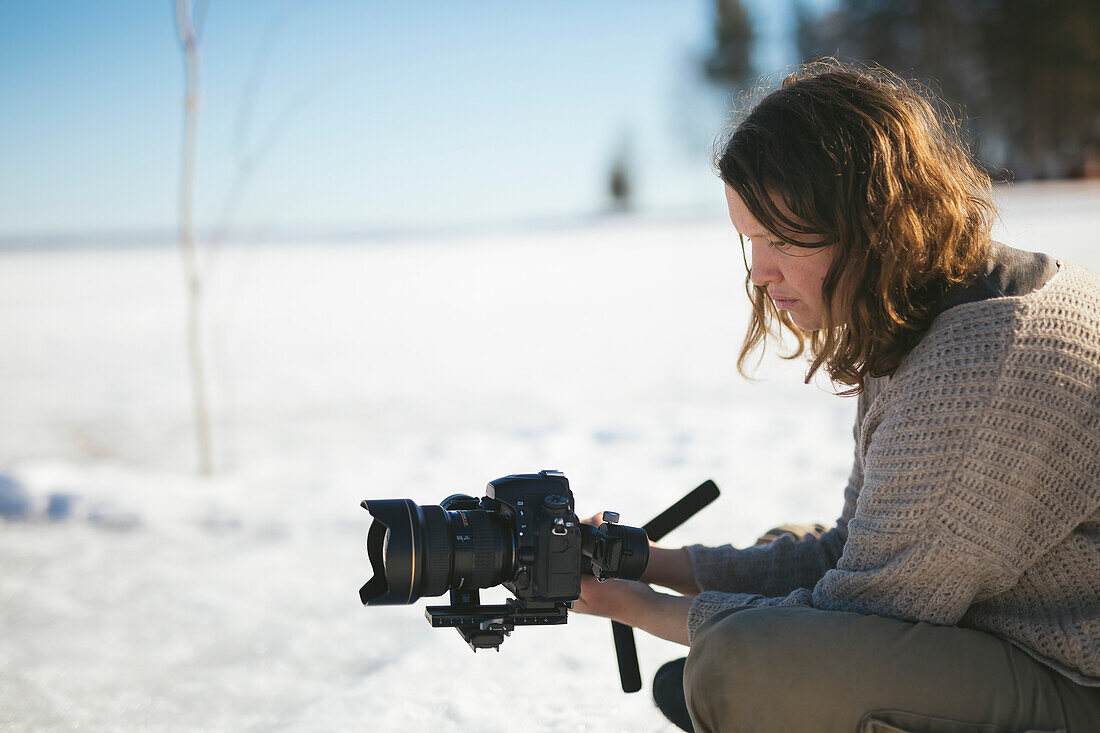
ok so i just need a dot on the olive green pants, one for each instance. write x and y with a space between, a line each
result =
800 670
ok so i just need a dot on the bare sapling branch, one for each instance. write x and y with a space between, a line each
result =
193 278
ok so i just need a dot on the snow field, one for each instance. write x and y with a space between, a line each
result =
158 600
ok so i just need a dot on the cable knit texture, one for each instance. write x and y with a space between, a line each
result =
974 498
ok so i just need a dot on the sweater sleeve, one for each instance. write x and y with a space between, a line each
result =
778 567
980 456
785 565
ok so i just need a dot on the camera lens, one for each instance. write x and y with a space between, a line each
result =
615 551
420 551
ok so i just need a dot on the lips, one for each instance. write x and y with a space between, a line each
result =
783 303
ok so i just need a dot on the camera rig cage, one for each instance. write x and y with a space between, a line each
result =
486 626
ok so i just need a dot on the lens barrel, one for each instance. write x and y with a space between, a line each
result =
420 551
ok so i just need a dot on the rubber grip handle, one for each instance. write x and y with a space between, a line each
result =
629 673
681 511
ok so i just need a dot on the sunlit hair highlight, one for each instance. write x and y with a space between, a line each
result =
865 162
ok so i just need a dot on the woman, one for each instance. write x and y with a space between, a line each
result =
960 587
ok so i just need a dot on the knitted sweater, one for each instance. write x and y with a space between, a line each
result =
974 498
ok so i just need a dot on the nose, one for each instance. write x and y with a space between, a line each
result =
764 270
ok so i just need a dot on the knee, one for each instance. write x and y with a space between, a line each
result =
744 643
743 662
722 675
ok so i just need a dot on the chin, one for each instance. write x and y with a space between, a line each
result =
806 325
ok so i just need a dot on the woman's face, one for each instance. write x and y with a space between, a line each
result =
793 276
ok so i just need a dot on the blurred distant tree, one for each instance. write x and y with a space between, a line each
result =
729 62
1025 70
713 74
1043 67
619 179
619 186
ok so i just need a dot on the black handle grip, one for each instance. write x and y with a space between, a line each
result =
681 511
625 651
629 673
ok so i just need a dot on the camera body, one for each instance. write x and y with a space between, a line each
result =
523 534
547 534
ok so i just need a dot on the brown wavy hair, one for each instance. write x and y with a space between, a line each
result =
876 167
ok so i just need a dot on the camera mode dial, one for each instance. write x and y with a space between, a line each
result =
555 502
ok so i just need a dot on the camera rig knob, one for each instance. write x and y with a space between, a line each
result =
610 517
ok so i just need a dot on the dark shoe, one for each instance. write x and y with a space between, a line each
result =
668 693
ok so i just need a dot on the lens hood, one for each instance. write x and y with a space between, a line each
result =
394 542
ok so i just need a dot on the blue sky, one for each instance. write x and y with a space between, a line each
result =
379 114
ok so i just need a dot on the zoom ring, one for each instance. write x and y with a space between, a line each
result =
437 574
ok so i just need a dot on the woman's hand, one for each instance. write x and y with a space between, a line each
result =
635 604
595 520
668 567
611 599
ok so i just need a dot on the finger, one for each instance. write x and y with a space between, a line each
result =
595 520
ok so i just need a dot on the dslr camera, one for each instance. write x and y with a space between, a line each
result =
523 534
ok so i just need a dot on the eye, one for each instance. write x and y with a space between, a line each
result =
778 245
